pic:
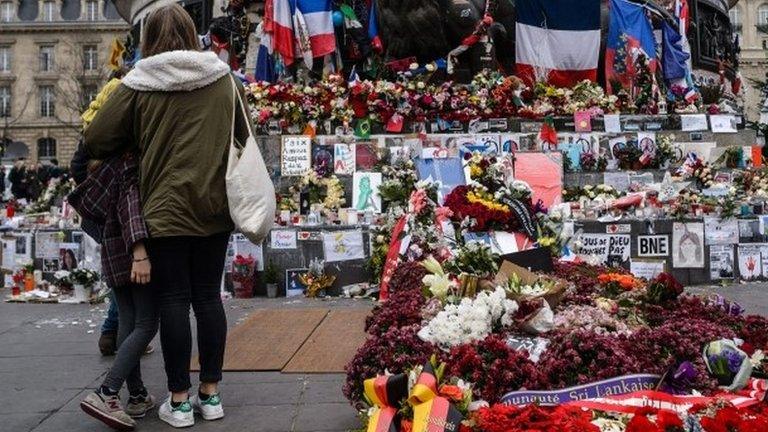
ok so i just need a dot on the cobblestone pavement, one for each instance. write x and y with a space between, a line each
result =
49 360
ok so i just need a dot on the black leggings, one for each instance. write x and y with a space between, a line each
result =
187 270
137 309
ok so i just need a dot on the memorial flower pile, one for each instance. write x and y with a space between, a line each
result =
608 324
412 98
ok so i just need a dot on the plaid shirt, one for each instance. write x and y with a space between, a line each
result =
109 197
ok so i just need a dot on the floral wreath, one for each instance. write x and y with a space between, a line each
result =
327 191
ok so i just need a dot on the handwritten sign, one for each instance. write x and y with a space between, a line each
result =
609 248
694 122
283 239
296 155
646 269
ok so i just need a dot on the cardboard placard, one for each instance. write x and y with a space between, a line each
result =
527 277
283 239
646 269
295 155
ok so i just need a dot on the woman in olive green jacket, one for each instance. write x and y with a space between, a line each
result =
175 108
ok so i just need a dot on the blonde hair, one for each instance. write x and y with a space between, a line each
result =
169 28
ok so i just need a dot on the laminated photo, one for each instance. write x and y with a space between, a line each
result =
721 263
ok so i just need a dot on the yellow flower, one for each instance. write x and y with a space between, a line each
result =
489 203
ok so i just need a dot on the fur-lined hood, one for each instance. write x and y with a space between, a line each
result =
176 71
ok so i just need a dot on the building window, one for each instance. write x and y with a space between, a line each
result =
5 59
46 148
91 10
735 15
90 58
762 15
46 58
6 11
49 11
89 94
5 101
47 102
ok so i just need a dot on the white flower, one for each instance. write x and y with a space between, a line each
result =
609 425
470 320
439 285
757 358
477 404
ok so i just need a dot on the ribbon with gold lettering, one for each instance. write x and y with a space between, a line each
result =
431 412
386 393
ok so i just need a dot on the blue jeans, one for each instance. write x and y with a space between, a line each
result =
110 323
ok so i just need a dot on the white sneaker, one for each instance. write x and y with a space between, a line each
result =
180 417
209 409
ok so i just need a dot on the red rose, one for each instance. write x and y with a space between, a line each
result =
641 423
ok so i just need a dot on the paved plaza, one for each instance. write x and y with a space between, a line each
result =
49 360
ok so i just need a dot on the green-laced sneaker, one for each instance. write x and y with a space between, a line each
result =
209 409
179 417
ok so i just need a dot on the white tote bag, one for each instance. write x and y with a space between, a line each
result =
250 191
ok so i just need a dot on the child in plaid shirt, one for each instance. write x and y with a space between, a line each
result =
109 199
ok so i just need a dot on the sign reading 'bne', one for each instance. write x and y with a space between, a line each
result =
653 245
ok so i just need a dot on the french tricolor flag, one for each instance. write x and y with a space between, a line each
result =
278 22
319 19
557 41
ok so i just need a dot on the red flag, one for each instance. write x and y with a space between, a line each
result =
390 264
548 134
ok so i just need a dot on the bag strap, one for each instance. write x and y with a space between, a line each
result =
234 112
239 101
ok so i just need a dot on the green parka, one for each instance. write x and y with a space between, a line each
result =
175 109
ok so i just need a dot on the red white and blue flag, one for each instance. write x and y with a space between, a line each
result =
314 36
557 41
630 35
319 20
278 22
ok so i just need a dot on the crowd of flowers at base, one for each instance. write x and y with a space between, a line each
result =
604 324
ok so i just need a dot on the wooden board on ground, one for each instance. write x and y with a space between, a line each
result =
268 339
333 343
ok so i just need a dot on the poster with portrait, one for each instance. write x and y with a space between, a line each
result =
68 253
750 261
365 191
322 158
721 263
688 245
